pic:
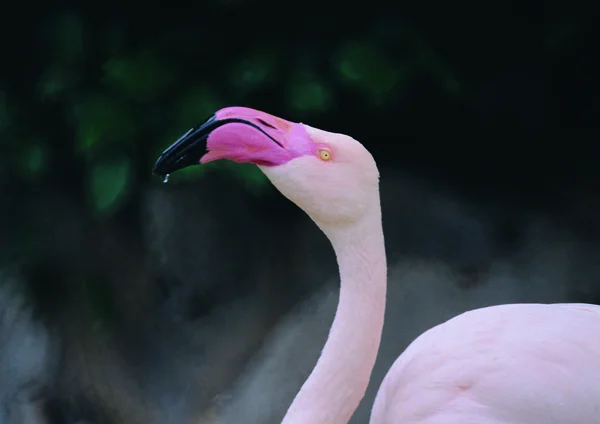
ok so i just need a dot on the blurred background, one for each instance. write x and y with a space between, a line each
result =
208 299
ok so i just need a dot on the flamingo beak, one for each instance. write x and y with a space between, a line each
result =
186 151
239 134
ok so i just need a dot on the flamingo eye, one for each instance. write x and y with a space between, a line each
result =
324 154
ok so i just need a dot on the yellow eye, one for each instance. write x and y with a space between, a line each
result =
324 154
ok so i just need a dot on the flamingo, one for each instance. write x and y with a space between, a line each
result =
505 364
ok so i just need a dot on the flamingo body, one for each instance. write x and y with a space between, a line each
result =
508 364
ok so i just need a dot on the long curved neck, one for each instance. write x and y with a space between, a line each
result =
338 382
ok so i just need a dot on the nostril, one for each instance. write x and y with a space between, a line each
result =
266 124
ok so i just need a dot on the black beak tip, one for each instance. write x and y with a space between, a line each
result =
186 151
161 166
166 164
157 169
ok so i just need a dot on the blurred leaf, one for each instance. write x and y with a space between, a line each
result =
307 93
33 160
250 175
67 34
54 82
109 184
195 105
254 69
101 118
191 173
365 66
195 172
141 77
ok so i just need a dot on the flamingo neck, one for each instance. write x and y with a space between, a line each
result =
340 378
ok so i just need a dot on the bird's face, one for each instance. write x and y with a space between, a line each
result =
332 177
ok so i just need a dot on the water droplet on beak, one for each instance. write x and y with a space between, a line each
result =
166 180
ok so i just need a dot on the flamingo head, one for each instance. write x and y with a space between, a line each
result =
332 177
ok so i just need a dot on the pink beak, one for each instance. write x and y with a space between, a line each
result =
241 135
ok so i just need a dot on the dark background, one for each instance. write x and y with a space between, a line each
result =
482 119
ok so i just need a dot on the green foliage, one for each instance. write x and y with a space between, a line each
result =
102 118
139 94
191 173
251 177
195 104
109 184
28 155
248 174
308 93
366 67
254 69
141 77
55 81
33 159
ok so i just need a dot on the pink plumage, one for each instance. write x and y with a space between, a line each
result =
522 363
508 364
263 146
